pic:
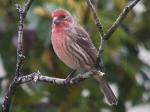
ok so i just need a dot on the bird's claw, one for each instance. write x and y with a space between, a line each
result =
69 77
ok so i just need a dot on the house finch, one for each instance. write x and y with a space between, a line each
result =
74 47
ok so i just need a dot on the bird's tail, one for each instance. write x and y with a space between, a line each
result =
106 90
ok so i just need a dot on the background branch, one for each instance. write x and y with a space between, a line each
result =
120 18
99 62
113 28
22 10
98 24
96 18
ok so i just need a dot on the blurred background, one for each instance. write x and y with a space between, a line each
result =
126 58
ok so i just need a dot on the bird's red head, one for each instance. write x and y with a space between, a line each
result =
61 17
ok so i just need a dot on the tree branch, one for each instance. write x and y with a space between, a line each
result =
22 10
37 76
120 18
98 24
104 37
96 18
99 62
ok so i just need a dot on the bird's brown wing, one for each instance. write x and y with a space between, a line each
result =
84 41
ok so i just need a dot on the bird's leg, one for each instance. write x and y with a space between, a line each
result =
69 77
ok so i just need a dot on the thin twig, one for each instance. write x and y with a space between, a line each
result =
101 33
120 18
12 88
96 18
98 24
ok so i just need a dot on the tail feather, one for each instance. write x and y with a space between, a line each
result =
106 90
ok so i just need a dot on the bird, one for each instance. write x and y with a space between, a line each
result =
74 47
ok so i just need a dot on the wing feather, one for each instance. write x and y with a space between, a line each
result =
82 39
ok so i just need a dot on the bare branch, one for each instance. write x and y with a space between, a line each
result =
74 80
22 14
27 6
113 28
20 57
98 24
96 18
120 18
99 62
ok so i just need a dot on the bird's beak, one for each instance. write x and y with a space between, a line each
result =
57 20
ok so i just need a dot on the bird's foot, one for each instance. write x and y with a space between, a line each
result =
69 77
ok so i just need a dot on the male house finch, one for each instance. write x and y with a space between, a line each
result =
74 47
